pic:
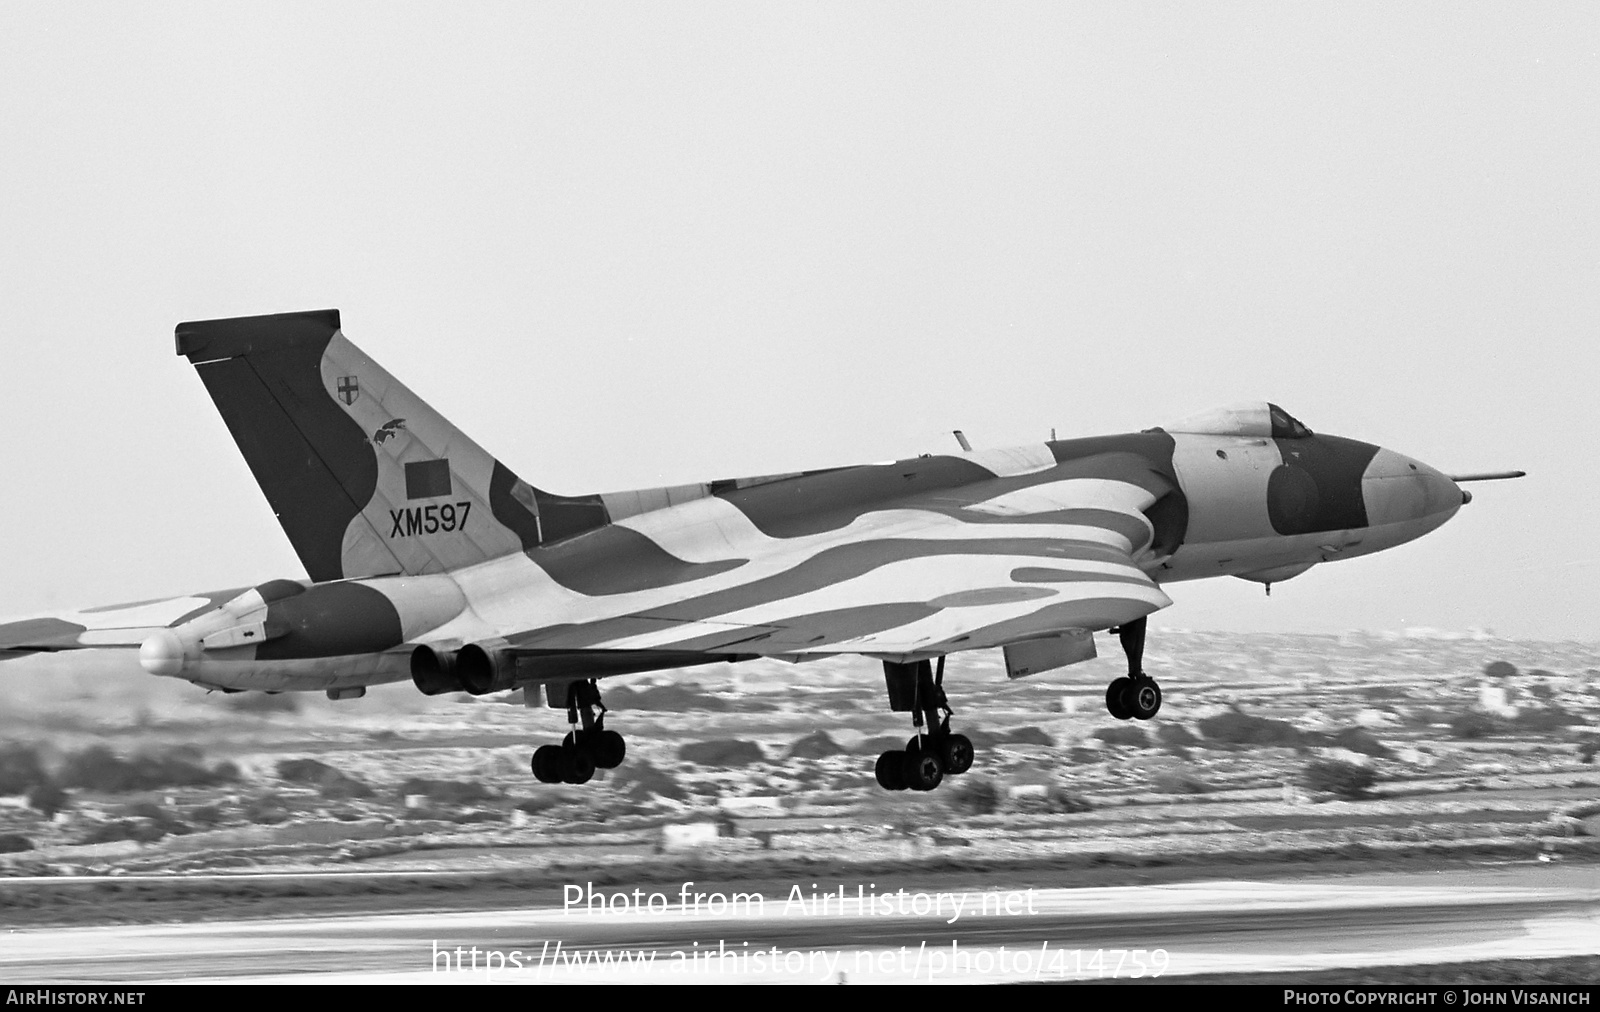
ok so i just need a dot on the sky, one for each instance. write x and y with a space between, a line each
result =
626 245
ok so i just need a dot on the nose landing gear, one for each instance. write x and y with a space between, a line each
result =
1137 695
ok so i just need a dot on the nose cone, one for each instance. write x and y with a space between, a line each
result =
1399 490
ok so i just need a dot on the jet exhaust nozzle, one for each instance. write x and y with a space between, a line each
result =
435 672
477 668
483 670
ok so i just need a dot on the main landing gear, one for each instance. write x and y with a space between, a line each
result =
933 752
1136 695
585 748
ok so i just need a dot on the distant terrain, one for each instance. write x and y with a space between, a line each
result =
1270 749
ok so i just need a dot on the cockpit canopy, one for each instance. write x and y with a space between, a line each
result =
1251 418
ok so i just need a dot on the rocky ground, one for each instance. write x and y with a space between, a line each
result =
1269 749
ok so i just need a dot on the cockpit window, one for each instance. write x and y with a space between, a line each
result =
1250 419
1285 425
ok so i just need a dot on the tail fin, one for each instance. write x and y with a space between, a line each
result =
366 479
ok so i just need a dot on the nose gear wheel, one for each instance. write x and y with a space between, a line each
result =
1135 696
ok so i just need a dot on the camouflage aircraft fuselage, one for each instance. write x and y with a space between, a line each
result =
430 559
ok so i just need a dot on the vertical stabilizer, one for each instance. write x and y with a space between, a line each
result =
366 479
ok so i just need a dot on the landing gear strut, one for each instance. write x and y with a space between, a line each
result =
1136 695
587 747
934 752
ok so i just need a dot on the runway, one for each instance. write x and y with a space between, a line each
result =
844 933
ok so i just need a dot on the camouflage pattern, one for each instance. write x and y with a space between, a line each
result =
419 543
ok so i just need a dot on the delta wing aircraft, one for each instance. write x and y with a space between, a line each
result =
431 560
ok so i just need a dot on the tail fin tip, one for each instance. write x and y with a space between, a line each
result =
365 478
203 340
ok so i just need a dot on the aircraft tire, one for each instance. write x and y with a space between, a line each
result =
890 773
956 754
579 766
922 771
1115 695
608 749
549 764
1142 698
